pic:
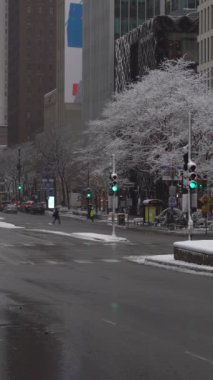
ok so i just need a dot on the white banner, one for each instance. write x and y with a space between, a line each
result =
73 51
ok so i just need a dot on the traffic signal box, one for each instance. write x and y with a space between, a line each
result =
89 194
114 183
192 175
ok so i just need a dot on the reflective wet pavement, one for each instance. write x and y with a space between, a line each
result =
72 310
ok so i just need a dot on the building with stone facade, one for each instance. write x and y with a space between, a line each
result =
205 40
3 70
31 65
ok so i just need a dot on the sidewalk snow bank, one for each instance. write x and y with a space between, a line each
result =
86 236
197 251
204 246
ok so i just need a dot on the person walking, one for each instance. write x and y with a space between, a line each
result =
56 216
92 214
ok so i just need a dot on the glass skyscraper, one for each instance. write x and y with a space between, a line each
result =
131 13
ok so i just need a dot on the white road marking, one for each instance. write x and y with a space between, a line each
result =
198 357
109 322
28 245
110 260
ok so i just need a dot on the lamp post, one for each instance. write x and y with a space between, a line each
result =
19 173
190 222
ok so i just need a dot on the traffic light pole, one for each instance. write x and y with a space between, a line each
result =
190 222
113 200
19 173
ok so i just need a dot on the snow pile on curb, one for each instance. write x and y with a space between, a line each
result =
168 262
8 225
197 252
98 237
202 246
86 236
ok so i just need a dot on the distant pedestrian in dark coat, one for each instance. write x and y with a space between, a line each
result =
56 216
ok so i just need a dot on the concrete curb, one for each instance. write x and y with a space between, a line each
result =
178 265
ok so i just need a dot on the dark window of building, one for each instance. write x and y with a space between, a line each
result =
124 16
192 4
157 7
133 14
149 9
168 6
141 12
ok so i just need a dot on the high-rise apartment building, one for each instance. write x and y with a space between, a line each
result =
205 40
31 65
105 21
3 70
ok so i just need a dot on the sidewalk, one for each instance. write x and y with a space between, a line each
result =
139 227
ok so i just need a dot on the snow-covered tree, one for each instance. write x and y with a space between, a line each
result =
146 126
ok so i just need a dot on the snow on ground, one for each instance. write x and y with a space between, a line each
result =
98 237
203 246
8 225
168 262
87 236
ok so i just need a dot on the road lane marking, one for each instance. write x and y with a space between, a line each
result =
83 261
198 357
109 322
110 260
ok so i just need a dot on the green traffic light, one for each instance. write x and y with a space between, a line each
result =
19 187
89 195
114 188
193 185
200 186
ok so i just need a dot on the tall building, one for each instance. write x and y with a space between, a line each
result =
69 66
31 65
205 40
105 21
3 70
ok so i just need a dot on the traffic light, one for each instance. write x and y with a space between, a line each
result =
192 175
114 184
88 194
19 187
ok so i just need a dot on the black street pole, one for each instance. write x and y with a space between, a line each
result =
19 173
88 199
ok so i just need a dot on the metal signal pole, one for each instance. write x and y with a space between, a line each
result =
190 222
113 200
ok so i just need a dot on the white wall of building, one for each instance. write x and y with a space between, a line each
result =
3 61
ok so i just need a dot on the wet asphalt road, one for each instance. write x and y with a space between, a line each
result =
77 310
